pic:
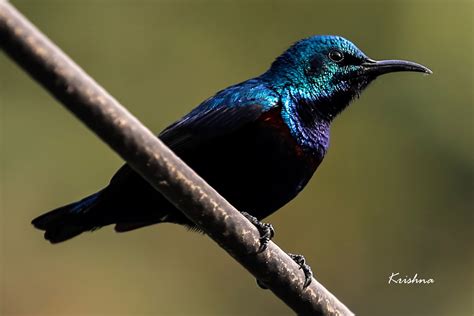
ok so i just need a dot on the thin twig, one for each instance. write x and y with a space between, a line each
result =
78 92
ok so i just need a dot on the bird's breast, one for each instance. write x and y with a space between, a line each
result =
277 128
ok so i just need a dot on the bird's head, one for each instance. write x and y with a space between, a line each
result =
329 71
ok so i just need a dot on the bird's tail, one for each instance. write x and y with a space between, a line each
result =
67 221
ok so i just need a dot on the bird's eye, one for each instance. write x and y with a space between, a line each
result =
336 56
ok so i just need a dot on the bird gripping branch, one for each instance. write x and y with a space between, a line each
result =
257 143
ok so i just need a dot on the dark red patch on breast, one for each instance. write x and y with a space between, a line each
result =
272 119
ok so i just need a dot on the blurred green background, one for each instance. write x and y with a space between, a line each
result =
394 194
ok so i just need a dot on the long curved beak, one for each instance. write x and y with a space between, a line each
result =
377 68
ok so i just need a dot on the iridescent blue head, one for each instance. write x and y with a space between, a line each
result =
325 73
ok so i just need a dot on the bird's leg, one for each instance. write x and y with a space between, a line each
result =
308 273
266 230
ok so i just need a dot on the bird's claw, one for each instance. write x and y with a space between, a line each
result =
266 234
266 231
301 261
308 273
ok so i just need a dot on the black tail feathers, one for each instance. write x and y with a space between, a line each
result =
67 221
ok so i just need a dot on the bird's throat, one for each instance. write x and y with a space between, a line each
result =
308 126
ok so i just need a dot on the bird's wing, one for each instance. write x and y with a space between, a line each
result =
218 116
222 114
196 128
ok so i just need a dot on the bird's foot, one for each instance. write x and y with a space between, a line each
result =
308 273
266 231
301 261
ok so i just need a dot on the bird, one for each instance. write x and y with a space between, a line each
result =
258 142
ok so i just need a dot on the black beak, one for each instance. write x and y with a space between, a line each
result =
377 68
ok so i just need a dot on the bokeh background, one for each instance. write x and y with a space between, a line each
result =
394 194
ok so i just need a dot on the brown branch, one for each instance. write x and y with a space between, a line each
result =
78 92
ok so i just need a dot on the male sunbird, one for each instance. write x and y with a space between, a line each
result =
257 142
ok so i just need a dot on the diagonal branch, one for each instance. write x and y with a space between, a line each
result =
90 103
